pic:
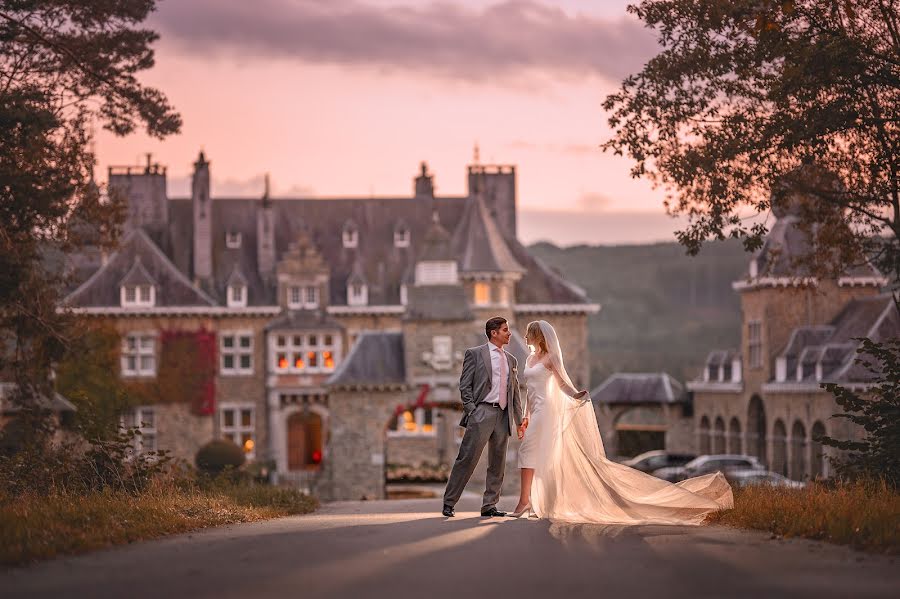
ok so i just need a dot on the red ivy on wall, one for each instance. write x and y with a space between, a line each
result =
187 369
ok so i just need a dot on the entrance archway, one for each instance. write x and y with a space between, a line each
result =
816 453
719 436
798 451
779 448
756 429
734 436
704 444
304 441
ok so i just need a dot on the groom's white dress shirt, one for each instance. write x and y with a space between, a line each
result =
497 354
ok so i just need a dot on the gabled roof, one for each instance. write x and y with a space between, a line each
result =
357 277
236 277
173 287
639 388
137 275
437 246
376 360
478 243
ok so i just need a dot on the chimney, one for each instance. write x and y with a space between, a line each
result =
202 205
265 235
424 183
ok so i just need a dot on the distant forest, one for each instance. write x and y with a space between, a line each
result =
661 310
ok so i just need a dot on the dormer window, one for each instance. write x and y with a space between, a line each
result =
401 237
357 294
351 236
138 296
237 296
303 297
232 240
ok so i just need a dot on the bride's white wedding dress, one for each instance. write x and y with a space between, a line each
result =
573 480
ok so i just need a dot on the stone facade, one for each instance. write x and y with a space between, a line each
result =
352 308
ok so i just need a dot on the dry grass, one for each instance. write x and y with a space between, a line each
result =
39 527
865 515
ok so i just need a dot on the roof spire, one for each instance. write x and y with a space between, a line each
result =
476 154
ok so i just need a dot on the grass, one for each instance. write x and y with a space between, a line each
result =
34 527
864 515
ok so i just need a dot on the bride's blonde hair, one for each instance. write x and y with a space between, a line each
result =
533 330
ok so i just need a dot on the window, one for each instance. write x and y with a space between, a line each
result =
442 349
754 336
436 273
404 295
401 238
482 294
232 240
144 420
351 238
236 351
310 353
237 296
237 423
414 422
305 297
504 294
358 295
138 296
139 355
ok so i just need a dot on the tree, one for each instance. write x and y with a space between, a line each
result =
65 65
750 97
877 412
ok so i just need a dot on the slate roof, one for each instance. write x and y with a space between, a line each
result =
376 359
786 246
173 287
478 243
296 320
137 275
874 317
639 388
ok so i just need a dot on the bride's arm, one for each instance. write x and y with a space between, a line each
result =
564 387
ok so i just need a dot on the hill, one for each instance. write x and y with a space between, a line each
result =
662 310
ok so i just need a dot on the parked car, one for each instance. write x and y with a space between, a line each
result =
707 464
656 459
745 478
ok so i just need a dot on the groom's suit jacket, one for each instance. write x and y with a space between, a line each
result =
475 383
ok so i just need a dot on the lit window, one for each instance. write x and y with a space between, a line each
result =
237 425
419 421
311 353
504 294
139 355
482 294
236 351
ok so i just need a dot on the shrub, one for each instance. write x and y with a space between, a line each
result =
218 455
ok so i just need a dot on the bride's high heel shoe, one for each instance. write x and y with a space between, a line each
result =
525 509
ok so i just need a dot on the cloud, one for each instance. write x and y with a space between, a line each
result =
593 202
503 40
180 187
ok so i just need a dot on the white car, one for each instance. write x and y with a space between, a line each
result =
746 478
707 464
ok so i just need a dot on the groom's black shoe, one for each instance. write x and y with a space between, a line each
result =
492 512
448 511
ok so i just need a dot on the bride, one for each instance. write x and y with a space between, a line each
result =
565 473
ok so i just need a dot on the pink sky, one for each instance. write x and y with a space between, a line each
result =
347 97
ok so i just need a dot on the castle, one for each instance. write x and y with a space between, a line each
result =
333 329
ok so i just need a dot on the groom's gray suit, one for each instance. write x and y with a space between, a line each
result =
484 424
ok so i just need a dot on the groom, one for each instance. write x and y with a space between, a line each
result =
491 409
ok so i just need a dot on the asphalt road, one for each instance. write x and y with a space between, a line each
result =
405 548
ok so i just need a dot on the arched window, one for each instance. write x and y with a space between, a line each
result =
817 460
798 451
779 448
703 436
734 437
756 429
719 436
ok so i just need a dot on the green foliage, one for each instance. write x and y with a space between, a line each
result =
89 377
746 92
219 455
877 411
64 65
661 309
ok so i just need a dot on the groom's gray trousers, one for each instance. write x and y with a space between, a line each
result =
486 425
